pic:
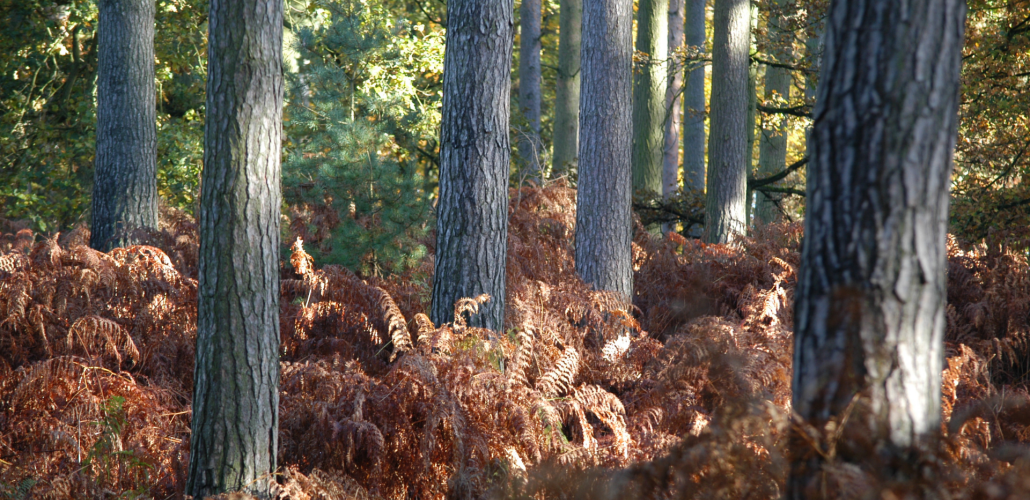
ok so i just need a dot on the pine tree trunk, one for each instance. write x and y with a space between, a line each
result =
694 101
236 386
673 104
752 111
650 81
530 147
125 169
603 220
472 212
566 105
728 156
772 156
870 307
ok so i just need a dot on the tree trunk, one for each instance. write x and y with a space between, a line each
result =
566 101
604 226
650 81
694 101
728 156
772 156
125 168
530 147
870 310
673 104
472 212
236 387
752 111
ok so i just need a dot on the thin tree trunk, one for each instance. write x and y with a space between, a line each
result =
725 213
566 105
603 220
472 212
673 104
529 86
694 100
236 383
772 156
752 111
650 81
871 293
125 169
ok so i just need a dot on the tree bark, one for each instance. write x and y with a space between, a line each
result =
772 155
236 383
870 310
694 101
472 212
752 111
566 105
725 215
673 104
125 168
650 81
530 147
603 220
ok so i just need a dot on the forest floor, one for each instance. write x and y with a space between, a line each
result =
685 393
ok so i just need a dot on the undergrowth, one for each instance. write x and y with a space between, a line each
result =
685 393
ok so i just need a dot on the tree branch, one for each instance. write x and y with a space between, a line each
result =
772 179
802 110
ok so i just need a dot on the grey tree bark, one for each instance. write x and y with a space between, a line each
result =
694 101
236 382
870 307
125 168
673 103
650 81
604 226
472 212
772 155
566 101
530 147
728 157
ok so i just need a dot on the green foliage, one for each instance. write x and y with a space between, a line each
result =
361 124
107 456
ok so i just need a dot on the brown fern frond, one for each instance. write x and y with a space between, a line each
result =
523 356
424 330
100 337
467 305
558 380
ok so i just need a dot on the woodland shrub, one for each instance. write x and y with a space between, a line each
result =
683 393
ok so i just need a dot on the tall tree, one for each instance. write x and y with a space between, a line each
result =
472 212
566 100
236 382
728 157
125 168
871 294
603 220
650 82
673 103
694 99
529 86
772 155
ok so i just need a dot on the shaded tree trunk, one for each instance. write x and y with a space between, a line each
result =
566 105
650 81
752 111
673 104
472 212
236 382
772 155
728 157
603 220
530 147
694 100
871 293
125 168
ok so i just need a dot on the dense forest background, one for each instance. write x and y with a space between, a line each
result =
685 391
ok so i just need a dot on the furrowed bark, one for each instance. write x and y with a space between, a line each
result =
472 212
603 218
566 105
728 157
870 304
673 105
236 389
650 82
530 147
125 168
